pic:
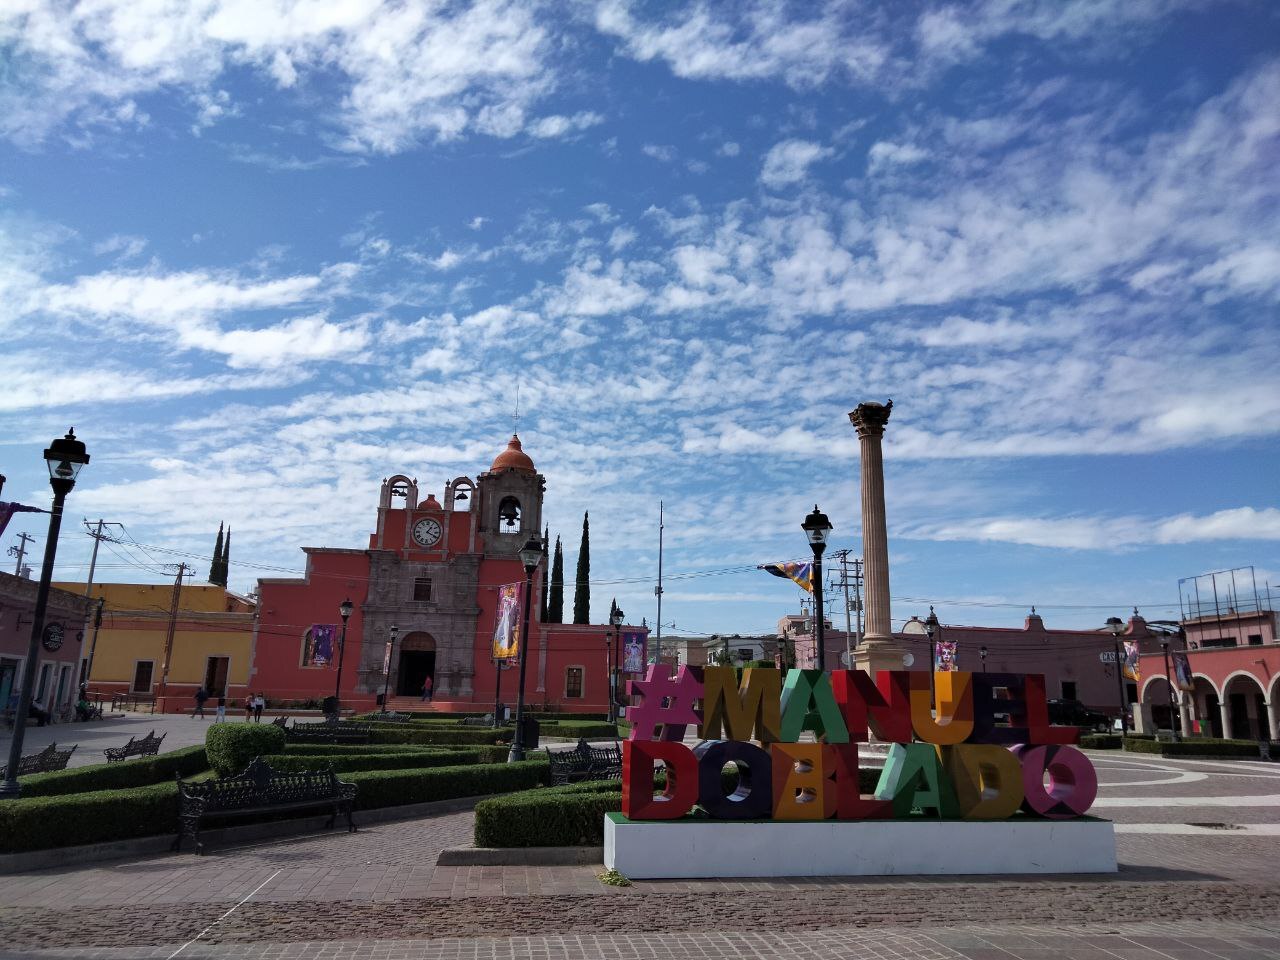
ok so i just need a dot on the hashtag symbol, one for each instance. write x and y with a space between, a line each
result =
666 703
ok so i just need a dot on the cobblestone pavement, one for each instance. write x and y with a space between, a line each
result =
1116 941
379 893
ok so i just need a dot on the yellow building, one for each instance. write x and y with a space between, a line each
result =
212 643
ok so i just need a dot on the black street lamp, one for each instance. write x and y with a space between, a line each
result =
64 458
1173 722
615 618
817 528
530 554
931 626
1116 626
983 654
344 610
498 665
391 651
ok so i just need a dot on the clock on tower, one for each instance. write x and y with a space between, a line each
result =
426 532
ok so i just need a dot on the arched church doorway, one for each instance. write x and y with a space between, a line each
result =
417 662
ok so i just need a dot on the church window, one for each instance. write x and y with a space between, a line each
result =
573 683
422 589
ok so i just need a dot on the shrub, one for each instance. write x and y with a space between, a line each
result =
391 788
574 729
35 823
422 734
400 760
570 816
1197 747
232 746
1100 741
1142 745
116 776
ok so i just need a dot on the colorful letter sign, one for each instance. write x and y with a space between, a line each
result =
974 746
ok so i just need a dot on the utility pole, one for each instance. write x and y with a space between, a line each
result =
20 552
169 632
657 643
86 664
851 576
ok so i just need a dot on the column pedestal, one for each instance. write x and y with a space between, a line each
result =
878 650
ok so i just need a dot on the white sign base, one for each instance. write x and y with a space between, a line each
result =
684 849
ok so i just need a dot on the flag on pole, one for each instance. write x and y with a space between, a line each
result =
506 633
7 510
800 573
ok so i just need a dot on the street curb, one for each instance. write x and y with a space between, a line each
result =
215 840
520 856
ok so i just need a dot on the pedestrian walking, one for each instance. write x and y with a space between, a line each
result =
248 708
259 703
427 684
202 696
222 710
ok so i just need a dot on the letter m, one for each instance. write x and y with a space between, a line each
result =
730 712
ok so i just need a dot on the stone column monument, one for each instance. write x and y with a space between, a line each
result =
878 650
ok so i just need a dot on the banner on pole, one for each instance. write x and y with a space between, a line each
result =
1182 673
7 510
506 634
635 651
1130 667
318 645
944 654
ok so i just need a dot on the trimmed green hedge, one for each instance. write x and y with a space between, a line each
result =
232 746
569 816
393 788
1196 747
422 759
35 823
1100 741
406 733
117 776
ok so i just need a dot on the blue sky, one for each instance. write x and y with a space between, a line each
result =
262 255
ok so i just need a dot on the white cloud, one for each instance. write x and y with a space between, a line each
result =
406 71
475 223
885 154
621 237
789 161
124 247
661 152
1107 533
729 149
558 126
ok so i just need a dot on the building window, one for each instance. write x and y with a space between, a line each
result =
1069 690
573 683
1210 642
1255 639
142 670
422 589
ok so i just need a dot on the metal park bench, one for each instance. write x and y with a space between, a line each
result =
148 746
280 722
585 762
392 717
342 731
485 721
260 789
46 761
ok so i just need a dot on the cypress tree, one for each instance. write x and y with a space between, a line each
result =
225 567
555 600
217 557
582 589
546 576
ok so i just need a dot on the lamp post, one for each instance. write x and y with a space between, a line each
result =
1116 626
530 554
982 652
615 618
391 649
344 610
930 628
499 664
65 457
1173 723
817 528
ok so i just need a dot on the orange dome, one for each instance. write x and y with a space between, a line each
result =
513 458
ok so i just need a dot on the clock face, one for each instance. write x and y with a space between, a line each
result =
427 532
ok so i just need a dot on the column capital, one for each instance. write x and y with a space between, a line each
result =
870 418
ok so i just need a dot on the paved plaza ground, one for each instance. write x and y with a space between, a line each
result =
1198 844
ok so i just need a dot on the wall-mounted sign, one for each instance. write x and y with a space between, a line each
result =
51 639
1107 656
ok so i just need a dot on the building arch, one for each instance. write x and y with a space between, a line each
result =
415 663
1245 713
1213 687
1154 678
461 495
1235 675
